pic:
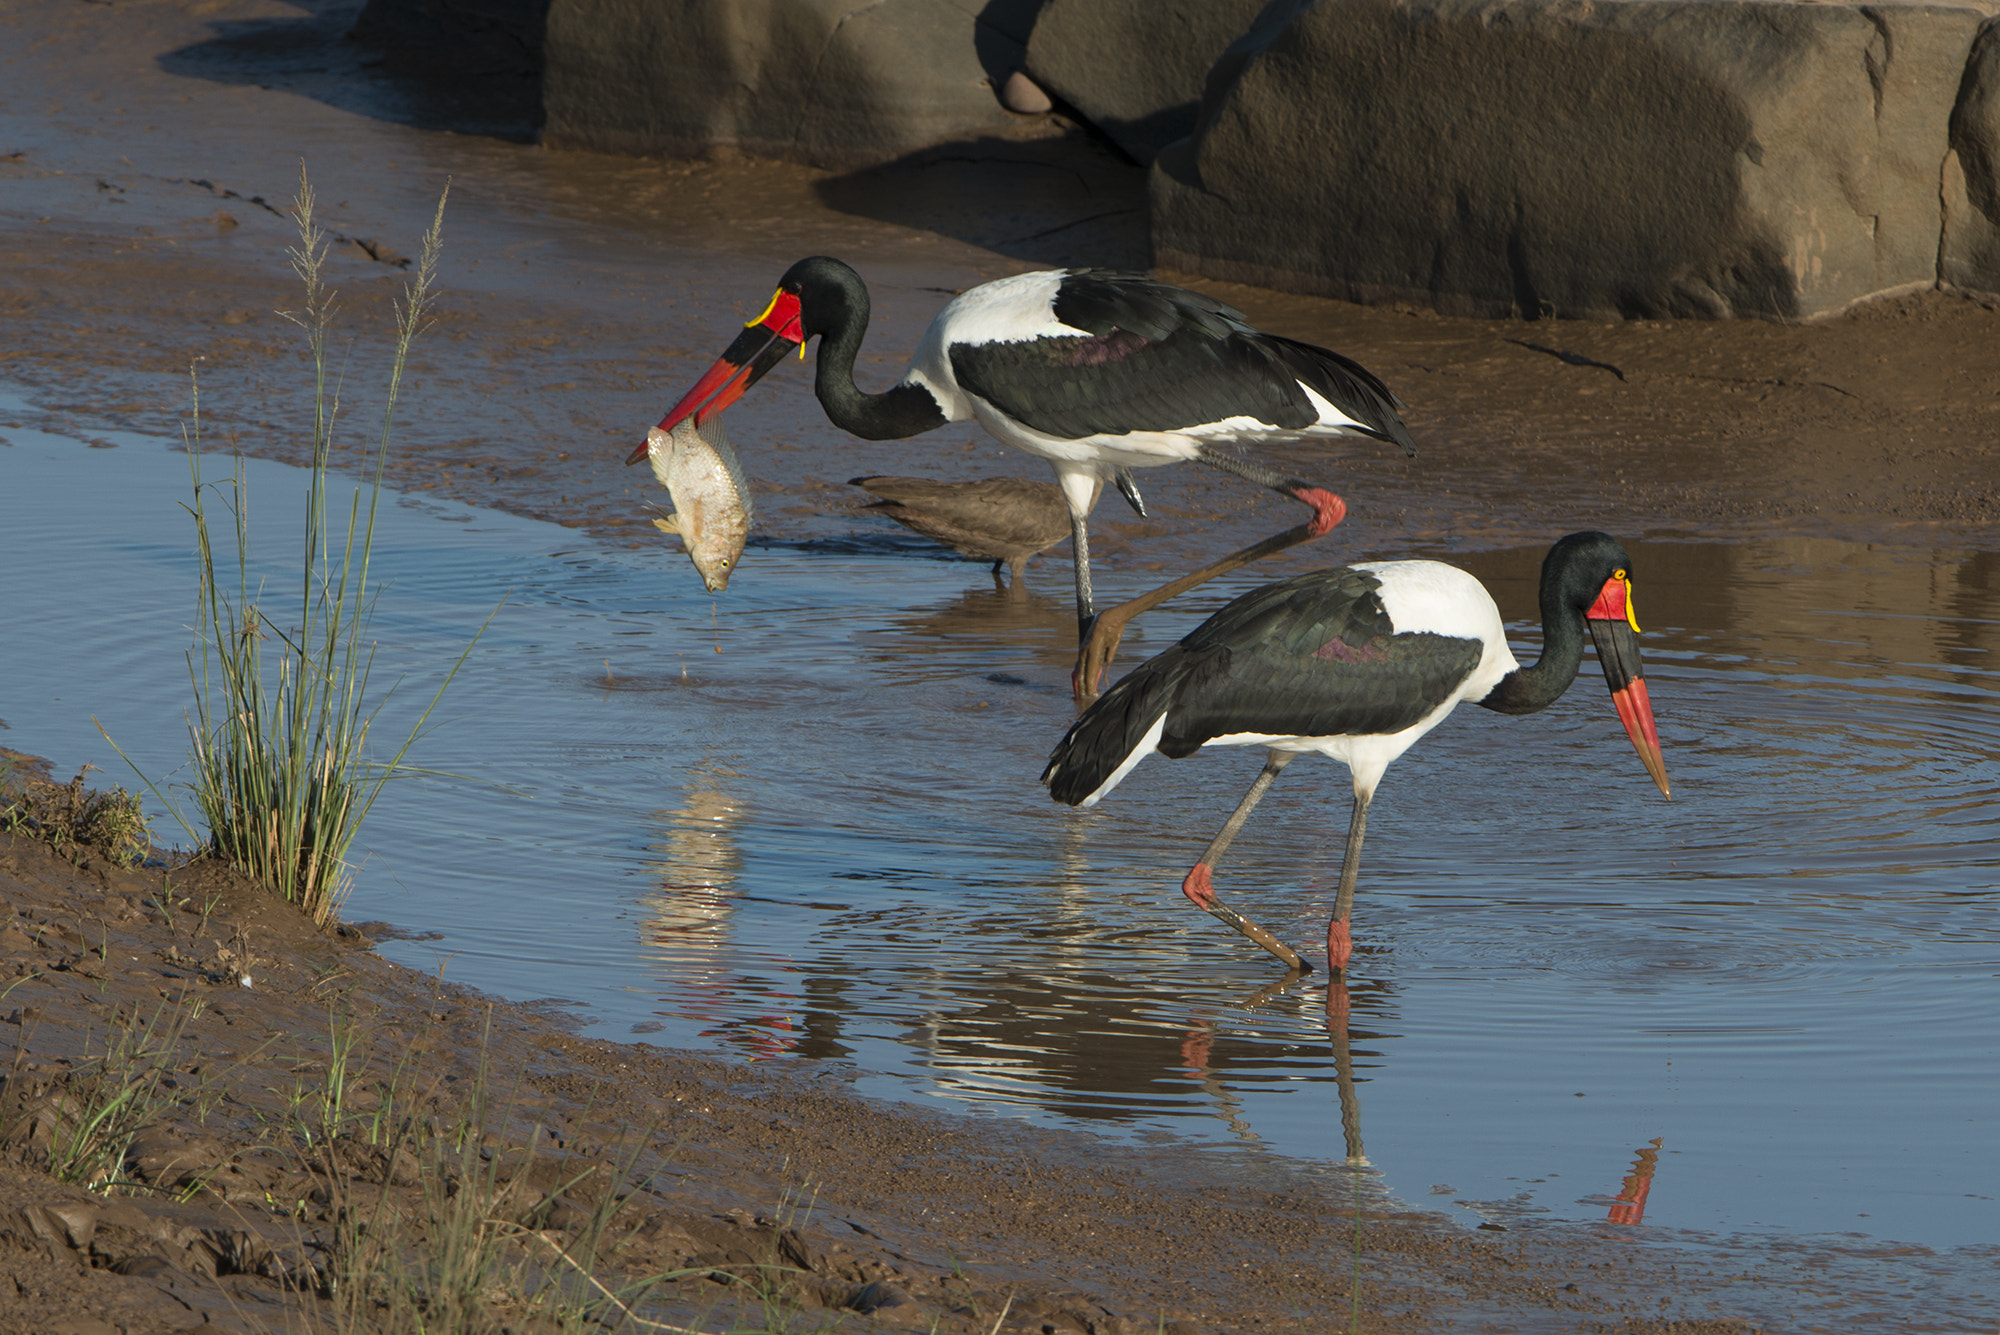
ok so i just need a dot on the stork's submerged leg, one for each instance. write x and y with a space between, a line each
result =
1339 940
1199 884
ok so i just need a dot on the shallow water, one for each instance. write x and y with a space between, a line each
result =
802 819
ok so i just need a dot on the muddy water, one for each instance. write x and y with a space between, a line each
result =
802 820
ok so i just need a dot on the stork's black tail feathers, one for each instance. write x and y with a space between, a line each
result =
1113 728
1341 380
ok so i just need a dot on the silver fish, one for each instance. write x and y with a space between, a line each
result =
711 512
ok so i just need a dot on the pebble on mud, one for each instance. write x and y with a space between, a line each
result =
1022 94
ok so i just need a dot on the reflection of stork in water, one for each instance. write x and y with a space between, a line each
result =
1337 1009
1199 1041
1629 1205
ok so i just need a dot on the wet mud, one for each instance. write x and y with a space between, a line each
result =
149 149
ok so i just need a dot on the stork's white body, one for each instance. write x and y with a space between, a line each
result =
1418 596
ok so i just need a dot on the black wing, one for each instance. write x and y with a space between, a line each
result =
1160 358
1311 656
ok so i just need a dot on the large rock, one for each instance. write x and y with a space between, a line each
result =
836 83
1135 68
494 28
1628 158
1969 254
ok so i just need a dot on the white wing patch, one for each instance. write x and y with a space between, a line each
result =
1432 596
1131 762
1331 418
1007 310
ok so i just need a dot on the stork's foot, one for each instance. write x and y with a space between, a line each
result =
1093 659
1339 944
1200 890
1199 887
1328 509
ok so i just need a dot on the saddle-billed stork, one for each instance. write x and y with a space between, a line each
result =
1091 369
1356 663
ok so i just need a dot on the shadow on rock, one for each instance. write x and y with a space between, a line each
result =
1058 201
476 69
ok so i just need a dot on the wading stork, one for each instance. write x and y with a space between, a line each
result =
1093 370
1356 663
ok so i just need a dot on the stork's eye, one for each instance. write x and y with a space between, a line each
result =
1619 574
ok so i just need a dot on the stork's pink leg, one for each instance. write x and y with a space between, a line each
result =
1339 940
1199 884
1339 944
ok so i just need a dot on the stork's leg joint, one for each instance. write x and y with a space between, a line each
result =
1199 886
1328 509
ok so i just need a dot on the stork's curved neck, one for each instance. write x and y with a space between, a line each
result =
905 410
1528 689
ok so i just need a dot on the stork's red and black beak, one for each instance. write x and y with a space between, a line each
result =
1615 627
764 342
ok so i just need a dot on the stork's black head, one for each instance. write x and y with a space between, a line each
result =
816 296
829 293
1590 574
1578 567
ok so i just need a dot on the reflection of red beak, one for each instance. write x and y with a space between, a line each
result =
1615 629
764 342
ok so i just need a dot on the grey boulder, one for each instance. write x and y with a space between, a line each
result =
1135 69
1635 158
1969 254
836 83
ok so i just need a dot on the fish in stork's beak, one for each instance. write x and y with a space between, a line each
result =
764 342
1615 627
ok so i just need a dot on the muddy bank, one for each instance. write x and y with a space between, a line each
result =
293 1068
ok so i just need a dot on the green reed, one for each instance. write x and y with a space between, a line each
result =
283 703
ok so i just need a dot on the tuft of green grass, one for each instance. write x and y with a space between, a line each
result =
80 1126
468 1245
73 819
284 705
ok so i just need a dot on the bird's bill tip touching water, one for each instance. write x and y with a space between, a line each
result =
764 342
1614 626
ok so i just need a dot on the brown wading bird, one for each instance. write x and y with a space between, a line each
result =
1004 520
1090 369
1356 663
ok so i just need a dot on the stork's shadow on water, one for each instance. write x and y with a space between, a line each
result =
988 627
387 66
